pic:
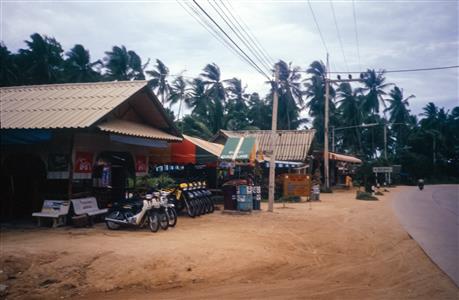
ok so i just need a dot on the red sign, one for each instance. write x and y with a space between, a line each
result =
83 162
140 163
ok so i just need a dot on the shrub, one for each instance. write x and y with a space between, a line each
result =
365 196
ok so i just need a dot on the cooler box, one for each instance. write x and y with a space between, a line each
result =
245 202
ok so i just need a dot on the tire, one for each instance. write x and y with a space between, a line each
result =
190 209
153 221
212 205
163 220
111 225
198 207
172 215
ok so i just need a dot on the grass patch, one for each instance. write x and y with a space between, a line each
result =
365 196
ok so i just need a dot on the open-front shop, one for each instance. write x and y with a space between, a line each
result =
239 173
293 159
73 140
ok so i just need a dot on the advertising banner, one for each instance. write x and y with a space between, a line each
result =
83 162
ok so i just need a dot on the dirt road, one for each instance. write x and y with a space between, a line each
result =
339 248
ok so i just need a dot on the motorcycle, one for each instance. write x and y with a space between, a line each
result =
421 185
168 208
136 212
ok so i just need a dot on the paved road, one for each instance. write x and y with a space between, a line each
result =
431 218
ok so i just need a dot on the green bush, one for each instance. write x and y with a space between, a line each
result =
365 196
163 181
289 199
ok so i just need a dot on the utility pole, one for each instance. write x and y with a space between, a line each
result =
385 141
272 161
327 96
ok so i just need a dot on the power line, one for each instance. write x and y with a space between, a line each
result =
245 36
250 34
398 71
339 35
356 32
320 32
232 41
216 34
238 34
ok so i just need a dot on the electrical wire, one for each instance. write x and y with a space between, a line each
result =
339 35
248 41
243 25
232 41
356 33
320 34
399 71
216 34
238 34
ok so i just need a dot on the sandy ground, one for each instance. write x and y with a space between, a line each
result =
339 248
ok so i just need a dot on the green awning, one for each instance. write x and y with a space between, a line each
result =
239 149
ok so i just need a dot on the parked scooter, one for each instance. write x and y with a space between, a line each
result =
168 207
193 197
421 184
136 212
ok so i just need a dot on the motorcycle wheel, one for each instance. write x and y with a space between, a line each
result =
212 206
190 209
163 220
111 225
172 217
153 221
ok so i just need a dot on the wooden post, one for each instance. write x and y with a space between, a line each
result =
326 162
69 190
272 162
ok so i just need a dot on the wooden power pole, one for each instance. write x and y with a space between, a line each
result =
327 97
272 161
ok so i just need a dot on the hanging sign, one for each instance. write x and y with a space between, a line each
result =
83 162
382 169
58 162
141 164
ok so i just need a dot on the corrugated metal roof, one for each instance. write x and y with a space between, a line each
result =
291 144
214 148
136 129
76 105
342 157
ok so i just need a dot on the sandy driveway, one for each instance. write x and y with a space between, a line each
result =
339 248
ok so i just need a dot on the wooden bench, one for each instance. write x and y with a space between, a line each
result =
56 210
87 206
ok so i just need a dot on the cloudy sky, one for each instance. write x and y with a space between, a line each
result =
392 35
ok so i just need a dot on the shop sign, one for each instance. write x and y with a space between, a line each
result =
141 164
382 169
83 162
296 184
58 162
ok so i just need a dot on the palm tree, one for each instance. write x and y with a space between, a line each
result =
349 110
216 91
122 64
259 113
179 93
399 113
198 99
236 107
290 96
195 127
315 93
42 61
9 72
159 83
78 66
374 85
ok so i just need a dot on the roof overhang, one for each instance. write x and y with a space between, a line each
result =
345 158
213 148
137 130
